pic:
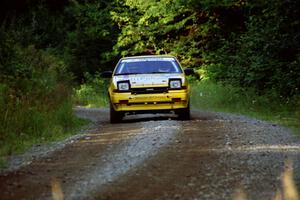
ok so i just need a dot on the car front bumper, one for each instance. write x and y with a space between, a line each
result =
172 100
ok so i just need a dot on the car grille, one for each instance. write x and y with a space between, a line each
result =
150 90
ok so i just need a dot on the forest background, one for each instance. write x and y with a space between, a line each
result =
246 55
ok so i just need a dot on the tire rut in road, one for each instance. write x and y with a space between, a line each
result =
90 163
135 146
213 158
210 157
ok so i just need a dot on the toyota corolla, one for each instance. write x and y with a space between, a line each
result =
148 84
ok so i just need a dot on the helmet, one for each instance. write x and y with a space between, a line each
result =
164 68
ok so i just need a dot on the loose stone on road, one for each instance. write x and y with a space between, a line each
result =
212 156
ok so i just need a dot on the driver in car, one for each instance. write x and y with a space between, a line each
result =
164 69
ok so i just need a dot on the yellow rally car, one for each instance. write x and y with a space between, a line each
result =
148 84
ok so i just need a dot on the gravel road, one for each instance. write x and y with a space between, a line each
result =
212 156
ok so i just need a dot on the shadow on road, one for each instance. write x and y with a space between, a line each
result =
148 117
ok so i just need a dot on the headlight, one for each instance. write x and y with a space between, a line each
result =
175 83
123 86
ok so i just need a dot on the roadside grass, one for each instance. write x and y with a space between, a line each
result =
36 105
23 126
92 93
210 96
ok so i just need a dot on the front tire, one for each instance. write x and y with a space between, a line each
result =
115 116
184 113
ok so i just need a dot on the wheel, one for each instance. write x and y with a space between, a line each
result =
184 113
115 116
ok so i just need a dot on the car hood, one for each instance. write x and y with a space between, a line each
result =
148 80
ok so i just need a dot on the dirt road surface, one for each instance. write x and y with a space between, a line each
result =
212 156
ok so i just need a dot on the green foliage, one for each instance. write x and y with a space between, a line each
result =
154 27
249 44
3 163
207 95
266 56
81 32
6 49
35 98
23 125
186 29
93 93
88 44
246 44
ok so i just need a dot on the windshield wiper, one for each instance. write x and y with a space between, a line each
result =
127 74
160 72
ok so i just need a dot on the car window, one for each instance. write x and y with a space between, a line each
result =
148 66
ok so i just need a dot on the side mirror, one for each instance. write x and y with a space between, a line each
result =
106 74
188 71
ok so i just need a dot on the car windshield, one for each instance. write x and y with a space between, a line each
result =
147 66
